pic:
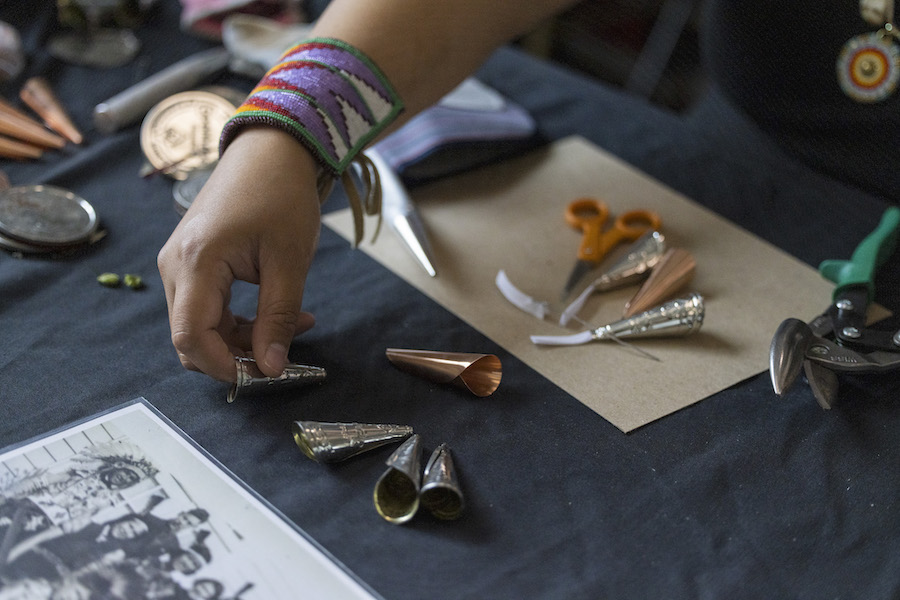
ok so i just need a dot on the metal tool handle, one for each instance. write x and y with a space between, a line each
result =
869 255
130 106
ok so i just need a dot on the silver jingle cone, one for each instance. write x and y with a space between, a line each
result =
637 262
640 258
441 493
396 494
674 318
333 442
252 381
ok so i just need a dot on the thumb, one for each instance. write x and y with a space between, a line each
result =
278 318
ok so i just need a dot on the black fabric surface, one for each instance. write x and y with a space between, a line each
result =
743 495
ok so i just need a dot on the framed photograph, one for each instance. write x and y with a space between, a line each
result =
125 505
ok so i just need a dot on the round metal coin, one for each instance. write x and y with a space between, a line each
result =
46 216
187 189
181 133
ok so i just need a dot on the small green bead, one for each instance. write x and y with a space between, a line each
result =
134 281
108 279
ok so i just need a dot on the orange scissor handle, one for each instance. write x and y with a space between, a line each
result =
590 216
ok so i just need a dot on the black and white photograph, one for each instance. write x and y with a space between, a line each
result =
124 506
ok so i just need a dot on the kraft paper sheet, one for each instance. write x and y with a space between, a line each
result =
510 216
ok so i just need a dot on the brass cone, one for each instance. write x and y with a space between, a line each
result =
332 442
28 130
478 373
396 494
673 271
252 381
36 93
441 493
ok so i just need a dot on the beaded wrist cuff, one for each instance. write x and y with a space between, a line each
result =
326 94
334 100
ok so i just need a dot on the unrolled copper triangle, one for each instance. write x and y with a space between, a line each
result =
673 271
478 373
36 93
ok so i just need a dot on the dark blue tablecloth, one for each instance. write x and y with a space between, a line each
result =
743 495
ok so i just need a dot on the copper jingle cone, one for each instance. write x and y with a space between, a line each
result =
478 373
396 494
673 271
36 93
332 442
9 109
441 493
28 130
252 381
15 149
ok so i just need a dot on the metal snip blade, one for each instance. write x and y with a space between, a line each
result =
822 382
581 268
787 353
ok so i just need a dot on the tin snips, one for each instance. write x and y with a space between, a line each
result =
839 340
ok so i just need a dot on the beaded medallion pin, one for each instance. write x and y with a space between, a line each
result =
868 66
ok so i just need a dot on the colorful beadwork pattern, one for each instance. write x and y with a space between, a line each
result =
868 67
325 93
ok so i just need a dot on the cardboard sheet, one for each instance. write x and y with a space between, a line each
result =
510 217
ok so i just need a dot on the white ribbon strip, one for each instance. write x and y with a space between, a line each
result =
575 307
563 340
518 298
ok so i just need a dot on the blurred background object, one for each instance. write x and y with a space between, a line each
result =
98 33
12 59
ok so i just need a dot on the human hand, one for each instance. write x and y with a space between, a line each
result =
255 220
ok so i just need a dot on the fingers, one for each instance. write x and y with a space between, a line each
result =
197 311
278 314
238 229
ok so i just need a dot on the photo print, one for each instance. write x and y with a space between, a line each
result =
124 505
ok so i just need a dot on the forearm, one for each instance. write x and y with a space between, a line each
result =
424 47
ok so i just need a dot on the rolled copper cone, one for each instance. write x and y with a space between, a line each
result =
333 442
28 130
478 373
396 494
251 381
36 93
441 493
15 149
673 271
7 108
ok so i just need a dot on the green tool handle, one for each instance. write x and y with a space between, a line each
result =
869 255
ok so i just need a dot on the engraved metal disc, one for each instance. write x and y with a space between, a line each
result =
45 215
181 133
186 190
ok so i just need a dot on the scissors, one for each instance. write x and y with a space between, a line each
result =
590 216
